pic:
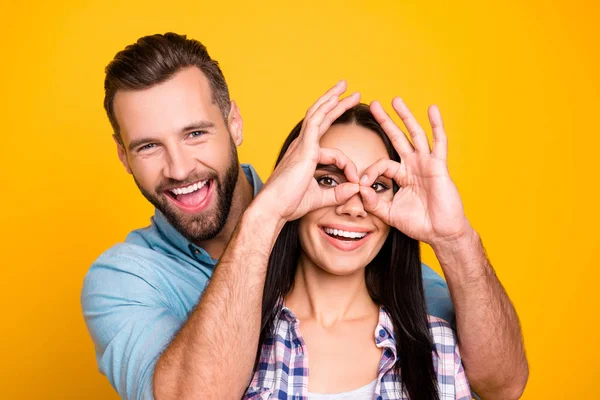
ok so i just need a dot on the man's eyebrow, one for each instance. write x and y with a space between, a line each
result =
138 142
198 125
330 168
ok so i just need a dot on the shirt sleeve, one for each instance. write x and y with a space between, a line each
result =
437 296
461 385
129 321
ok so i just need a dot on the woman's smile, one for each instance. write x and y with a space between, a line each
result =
345 238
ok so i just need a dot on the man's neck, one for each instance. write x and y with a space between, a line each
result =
329 298
242 197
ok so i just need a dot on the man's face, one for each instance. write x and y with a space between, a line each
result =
181 152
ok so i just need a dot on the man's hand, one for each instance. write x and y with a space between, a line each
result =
291 191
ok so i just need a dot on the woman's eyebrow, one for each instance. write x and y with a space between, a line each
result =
330 168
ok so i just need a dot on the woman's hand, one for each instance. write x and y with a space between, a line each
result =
427 207
291 191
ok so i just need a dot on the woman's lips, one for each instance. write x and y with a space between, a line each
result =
345 243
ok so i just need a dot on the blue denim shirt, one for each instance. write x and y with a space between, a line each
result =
138 294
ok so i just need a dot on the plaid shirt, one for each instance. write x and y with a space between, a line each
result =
282 371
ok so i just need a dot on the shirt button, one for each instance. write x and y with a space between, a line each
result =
381 333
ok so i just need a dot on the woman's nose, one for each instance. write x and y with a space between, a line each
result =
353 207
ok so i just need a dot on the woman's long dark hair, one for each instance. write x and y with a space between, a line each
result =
393 280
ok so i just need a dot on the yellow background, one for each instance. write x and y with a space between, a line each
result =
517 84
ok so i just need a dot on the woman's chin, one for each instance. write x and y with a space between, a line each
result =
344 270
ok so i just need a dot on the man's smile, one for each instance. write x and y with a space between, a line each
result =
192 198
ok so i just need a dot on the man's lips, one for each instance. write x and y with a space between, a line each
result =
192 198
187 188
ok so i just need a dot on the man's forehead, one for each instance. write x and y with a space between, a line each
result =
166 107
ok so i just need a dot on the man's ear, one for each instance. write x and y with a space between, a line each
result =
236 125
122 153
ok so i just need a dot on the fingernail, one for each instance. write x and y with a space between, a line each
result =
364 180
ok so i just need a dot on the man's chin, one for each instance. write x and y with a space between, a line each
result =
195 227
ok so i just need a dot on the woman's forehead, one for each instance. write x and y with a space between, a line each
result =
361 145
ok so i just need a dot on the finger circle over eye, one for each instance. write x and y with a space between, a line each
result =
339 195
336 158
382 167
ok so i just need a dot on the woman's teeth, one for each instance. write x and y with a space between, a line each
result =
345 234
189 189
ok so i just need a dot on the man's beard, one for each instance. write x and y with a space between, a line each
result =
207 224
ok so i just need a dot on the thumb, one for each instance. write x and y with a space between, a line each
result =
373 203
340 194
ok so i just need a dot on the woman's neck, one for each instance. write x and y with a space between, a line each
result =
326 298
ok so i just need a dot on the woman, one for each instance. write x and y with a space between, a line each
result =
344 313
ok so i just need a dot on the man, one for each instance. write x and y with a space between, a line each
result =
160 329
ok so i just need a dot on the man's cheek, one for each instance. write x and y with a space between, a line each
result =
148 180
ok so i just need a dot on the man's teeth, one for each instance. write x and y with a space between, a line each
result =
346 234
189 189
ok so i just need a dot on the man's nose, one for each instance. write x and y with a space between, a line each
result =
179 164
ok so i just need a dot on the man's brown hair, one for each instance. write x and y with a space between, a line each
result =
155 58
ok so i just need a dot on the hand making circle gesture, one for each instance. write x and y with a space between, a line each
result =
291 191
427 206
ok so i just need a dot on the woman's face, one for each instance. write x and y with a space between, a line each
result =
343 239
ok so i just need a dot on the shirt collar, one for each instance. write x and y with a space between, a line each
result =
384 332
180 242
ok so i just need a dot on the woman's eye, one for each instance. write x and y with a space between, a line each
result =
379 187
327 181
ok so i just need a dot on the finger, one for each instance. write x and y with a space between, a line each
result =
339 159
291 148
335 91
397 137
311 125
293 152
384 167
325 115
440 141
417 133
374 204
339 195
342 106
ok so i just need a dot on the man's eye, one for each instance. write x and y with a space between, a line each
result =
379 187
147 146
327 181
196 134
